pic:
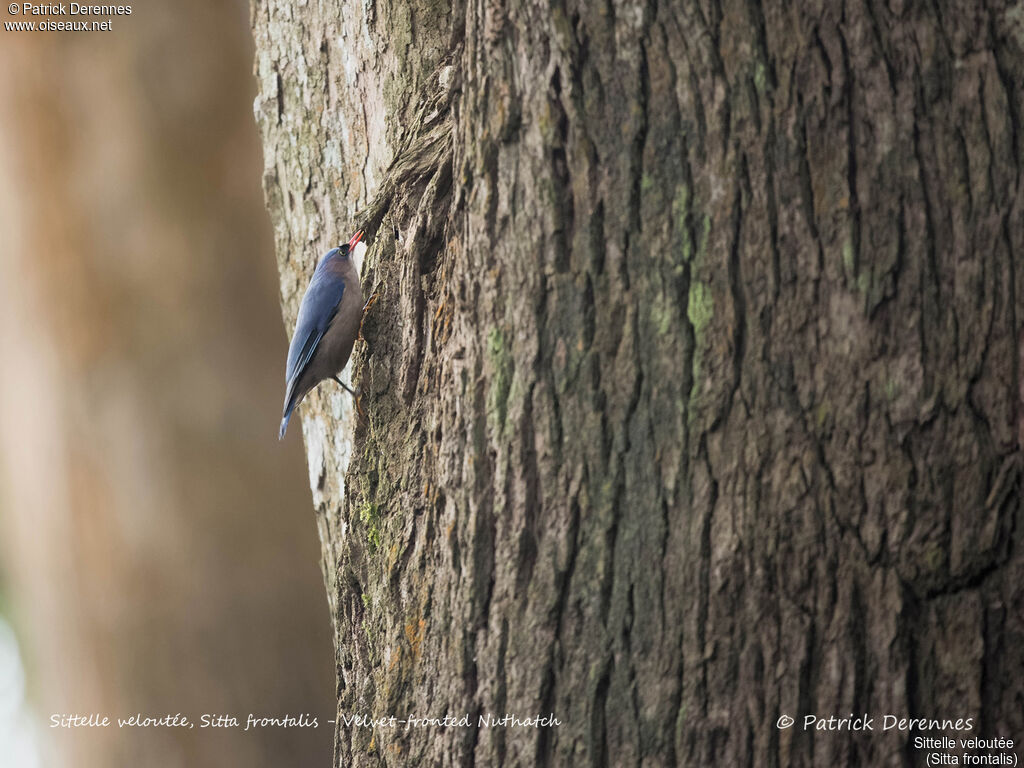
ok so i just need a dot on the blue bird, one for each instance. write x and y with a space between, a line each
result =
327 326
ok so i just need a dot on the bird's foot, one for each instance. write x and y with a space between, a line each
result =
357 393
344 386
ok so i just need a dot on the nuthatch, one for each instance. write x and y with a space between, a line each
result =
327 327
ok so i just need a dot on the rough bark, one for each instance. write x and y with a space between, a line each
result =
693 391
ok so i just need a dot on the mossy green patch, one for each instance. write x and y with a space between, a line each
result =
892 389
370 517
705 238
662 314
822 413
682 218
760 76
848 264
681 221
863 283
700 307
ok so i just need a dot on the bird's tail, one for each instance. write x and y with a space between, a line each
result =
284 425
289 405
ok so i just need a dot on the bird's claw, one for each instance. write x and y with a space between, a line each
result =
357 393
343 385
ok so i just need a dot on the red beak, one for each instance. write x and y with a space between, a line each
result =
355 239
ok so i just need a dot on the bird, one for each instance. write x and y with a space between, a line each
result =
326 328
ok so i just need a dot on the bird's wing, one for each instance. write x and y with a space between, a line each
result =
318 308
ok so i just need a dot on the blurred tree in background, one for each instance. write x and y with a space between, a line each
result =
157 541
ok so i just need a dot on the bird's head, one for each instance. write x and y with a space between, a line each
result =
344 252
347 250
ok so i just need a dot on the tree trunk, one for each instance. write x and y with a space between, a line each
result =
693 391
